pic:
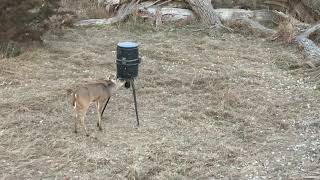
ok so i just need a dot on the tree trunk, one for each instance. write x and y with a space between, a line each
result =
204 9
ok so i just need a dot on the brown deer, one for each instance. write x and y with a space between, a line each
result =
99 92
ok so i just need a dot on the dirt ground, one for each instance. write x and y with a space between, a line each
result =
217 106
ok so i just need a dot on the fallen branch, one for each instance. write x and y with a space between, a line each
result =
310 48
95 22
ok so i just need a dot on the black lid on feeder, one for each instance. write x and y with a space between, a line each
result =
127 60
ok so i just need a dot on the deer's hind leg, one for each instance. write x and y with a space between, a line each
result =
81 117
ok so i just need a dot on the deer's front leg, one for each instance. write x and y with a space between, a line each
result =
102 106
98 106
75 123
84 125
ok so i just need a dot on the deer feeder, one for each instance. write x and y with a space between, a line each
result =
127 60
127 66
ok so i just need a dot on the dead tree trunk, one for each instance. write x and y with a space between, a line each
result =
204 9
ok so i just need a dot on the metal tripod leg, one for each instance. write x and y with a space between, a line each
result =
104 108
135 100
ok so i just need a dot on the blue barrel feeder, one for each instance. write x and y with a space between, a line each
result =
128 66
127 60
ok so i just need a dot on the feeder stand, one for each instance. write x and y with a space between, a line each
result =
127 67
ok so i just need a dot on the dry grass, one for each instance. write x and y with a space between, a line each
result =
85 9
210 106
9 49
287 32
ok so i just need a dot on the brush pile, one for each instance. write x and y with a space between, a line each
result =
307 11
260 17
27 20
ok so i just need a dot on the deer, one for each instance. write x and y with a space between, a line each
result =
98 92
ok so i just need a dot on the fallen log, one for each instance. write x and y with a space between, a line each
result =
256 15
175 14
166 15
250 25
225 15
310 48
124 11
248 19
231 17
